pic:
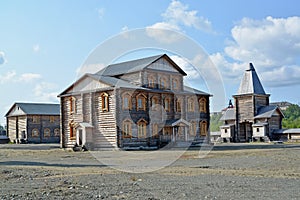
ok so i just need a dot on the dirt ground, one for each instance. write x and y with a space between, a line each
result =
228 171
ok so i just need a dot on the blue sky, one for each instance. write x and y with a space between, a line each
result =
44 43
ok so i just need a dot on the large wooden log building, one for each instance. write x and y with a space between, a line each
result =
141 103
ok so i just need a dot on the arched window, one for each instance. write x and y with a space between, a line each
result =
193 128
72 102
175 84
56 132
202 105
178 105
126 102
155 103
47 132
35 132
72 131
141 102
151 82
191 105
167 104
127 129
104 102
155 131
163 83
142 128
203 128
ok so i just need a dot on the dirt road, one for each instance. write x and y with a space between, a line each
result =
229 171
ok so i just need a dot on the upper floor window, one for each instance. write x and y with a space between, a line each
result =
52 119
175 84
126 101
142 128
202 105
72 102
178 105
163 83
167 104
141 102
104 101
127 130
154 103
191 105
151 82
36 119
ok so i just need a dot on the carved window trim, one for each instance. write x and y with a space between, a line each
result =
126 101
142 128
35 132
163 83
56 132
203 128
127 128
72 103
36 119
155 103
104 102
141 100
151 82
179 105
175 84
193 128
155 131
47 132
191 105
52 119
167 104
202 105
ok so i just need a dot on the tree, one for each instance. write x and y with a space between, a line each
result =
292 117
215 122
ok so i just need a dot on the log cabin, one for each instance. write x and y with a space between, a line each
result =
33 123
140 103
252 117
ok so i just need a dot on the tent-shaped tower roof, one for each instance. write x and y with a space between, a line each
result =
250 83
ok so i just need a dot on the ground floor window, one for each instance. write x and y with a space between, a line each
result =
142 129
56 132
35 132
47 132
127 131
203 128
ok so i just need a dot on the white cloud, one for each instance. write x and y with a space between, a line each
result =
8 77
28 77
36 48
2 58
177 16
272 44
13 77
45 92
186 66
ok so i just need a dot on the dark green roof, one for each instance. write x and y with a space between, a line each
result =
37 108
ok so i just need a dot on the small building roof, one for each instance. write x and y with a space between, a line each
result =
229 114
287 131
34 109
250 83
259 124
267 112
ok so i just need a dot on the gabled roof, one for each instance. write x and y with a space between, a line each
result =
267 112
250 83
135 66
36 109
194 91
229 114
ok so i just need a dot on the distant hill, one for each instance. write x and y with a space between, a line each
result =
292 117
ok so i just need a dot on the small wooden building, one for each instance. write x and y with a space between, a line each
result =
33 123
135 104
252 117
